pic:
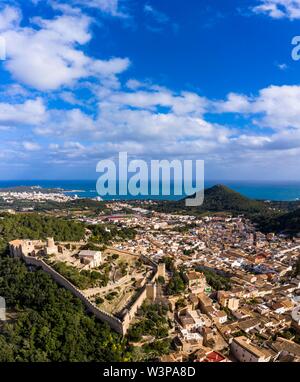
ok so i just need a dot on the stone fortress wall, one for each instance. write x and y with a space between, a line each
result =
138 302
17 249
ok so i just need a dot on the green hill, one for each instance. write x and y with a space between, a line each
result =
270 217
218 198
288 223
222 198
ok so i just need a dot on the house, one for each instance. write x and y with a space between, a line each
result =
245 351
205 303
196 281
286 348
233 303
193 319
249 325
211 356
262 309
186 320
191 336
228 301
213 339
193 301
219 316
282 306
187 346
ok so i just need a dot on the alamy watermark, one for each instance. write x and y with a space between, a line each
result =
296 49
2 309
151 179
2 48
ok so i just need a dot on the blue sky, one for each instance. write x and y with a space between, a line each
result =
160 79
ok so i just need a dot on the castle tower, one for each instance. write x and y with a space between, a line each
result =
50 242
50 248
161 270
151 291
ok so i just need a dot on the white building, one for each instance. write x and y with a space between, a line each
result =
90 258
190 336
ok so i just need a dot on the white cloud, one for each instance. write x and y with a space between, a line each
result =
146 126
237 103
185 103
276 107
136 120
160 122
282 66
133 84
31 146
139 117
110 7
278 9
110 67
49 56
10 17
280 106
66 123
70 98
14 92
31 112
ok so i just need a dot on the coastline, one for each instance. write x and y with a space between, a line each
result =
259 190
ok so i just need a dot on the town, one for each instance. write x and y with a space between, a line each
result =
33 195
213 288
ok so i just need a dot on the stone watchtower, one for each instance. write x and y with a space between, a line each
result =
2 309
151 291
50 248
161 270
50 242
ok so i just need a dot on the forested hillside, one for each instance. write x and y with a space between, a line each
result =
45 321
288 223
218 199
35 226
50 324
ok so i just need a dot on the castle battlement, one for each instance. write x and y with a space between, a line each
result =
32 252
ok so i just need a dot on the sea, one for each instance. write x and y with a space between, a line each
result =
283 191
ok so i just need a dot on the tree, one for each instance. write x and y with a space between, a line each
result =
152 322
216 281
51 323
169 263
161 280
176 284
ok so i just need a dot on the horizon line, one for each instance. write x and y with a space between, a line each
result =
205 181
